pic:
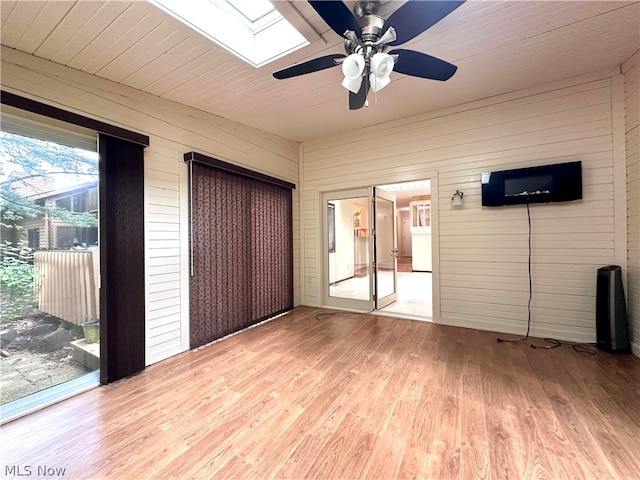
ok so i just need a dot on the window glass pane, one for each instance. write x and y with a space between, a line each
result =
79 203
331 226
385 253
50 266
65 237
252 10
92 200
64 203
349 262
34 237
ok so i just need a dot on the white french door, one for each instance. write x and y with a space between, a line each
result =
348 275
359 249
385 248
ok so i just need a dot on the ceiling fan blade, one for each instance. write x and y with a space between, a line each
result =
414 17
357 100
309 66
422 65
337 15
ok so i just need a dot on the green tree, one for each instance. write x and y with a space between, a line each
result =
23 161
17 275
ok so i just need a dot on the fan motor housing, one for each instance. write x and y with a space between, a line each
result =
371 27
366 7
371 24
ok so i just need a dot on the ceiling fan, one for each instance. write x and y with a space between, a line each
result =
367 38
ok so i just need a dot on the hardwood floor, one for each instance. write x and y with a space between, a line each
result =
347 396
404 264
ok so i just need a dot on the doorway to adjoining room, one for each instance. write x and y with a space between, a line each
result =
414 248
379 249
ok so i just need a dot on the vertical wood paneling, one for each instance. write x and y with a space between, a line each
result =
483 251
68 284
631 70
173 130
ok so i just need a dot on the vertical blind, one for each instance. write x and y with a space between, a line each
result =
122 285
242 252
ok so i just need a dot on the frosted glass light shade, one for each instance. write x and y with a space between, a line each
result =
456 200
381 68
352 68
378 83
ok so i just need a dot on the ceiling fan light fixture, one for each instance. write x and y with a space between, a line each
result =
389 36
382 65
378 83
367 36
381 68
352 68
352 85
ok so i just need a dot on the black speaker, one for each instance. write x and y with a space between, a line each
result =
612 327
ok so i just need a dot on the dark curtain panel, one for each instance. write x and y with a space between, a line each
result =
122 292
242 252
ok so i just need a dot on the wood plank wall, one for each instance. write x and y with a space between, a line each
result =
631 70
40 224
173 130
483 251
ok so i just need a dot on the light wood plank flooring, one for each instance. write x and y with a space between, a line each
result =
348 396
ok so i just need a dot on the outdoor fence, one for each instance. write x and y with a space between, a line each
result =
67 286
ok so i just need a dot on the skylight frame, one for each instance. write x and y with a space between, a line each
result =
219 21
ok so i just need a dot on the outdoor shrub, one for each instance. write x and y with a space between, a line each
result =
17 276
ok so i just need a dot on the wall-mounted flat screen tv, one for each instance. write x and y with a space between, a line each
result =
560 182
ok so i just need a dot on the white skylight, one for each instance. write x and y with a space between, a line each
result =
252 10
251 29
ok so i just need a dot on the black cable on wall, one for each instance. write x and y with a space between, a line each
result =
499 340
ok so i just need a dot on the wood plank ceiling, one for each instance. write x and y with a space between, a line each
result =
498 47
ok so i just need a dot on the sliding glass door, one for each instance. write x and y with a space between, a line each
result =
49 258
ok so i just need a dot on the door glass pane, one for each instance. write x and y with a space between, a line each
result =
385 253
348 239
49 265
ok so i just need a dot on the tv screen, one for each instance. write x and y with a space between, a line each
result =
559 182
